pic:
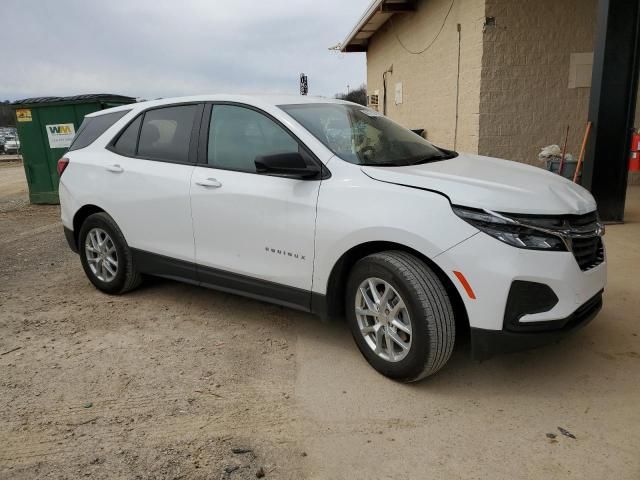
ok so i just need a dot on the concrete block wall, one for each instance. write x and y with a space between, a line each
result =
514 75
429 79
525 102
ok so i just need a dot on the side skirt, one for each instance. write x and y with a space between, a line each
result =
171 268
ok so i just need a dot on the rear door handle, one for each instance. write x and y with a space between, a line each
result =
209 183
115 168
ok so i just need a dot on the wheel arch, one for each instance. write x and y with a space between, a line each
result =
334 301
80 216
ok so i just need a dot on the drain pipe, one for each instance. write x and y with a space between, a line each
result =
384 89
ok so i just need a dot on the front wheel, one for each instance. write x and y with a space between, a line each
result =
400 315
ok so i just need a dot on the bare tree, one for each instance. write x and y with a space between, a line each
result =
357 95
7 117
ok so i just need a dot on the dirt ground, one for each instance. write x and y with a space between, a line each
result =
165 382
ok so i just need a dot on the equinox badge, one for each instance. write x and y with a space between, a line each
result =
284 253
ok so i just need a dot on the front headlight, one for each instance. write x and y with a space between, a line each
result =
511 231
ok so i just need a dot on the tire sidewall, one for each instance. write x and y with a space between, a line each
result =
413 364
99 221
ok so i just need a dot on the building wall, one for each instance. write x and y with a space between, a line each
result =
525 102
429 79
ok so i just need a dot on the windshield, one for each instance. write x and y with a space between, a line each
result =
363 136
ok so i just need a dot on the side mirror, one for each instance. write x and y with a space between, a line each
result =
286 164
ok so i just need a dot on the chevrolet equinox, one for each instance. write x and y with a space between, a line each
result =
330 207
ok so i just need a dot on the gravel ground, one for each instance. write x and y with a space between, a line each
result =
165 382
161 383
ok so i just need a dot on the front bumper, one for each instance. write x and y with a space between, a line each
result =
486 343
491 269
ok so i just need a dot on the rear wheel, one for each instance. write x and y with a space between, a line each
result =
400 315
105 255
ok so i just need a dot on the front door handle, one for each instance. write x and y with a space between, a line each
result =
115 168
209 183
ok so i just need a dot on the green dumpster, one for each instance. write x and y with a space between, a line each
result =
46 127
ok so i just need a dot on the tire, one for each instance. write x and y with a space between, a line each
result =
427 306
126 276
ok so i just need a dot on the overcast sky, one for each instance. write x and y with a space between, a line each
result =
156 48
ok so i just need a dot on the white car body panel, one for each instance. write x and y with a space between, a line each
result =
150 202
350 213
69 206
493 184
255 225
141 199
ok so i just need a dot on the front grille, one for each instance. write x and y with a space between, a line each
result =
589 251
581 221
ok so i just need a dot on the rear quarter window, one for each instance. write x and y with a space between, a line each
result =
93 127
128 140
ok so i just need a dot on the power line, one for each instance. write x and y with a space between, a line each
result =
419 52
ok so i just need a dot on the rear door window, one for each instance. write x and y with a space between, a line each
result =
166 133
93 127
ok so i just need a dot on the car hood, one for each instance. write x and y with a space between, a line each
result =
492 184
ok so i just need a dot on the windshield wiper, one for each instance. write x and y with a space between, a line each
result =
381 164
445 156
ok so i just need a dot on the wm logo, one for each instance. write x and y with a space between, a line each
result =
59 129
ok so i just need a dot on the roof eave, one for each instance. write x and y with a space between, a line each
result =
381 10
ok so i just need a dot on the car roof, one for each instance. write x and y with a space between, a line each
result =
264 100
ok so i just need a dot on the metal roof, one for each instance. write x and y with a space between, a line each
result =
92 97
373 18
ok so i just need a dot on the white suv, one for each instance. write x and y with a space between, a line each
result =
11 145
329 207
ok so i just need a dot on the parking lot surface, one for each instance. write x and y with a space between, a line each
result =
175 381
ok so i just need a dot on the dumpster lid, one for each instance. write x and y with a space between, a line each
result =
87 98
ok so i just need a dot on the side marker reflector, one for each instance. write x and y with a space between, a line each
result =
463 281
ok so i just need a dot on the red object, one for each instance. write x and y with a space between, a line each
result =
461 278
62 165
634 158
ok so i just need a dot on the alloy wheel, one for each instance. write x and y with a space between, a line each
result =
383 319
101 254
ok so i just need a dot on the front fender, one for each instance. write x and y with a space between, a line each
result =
367 210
